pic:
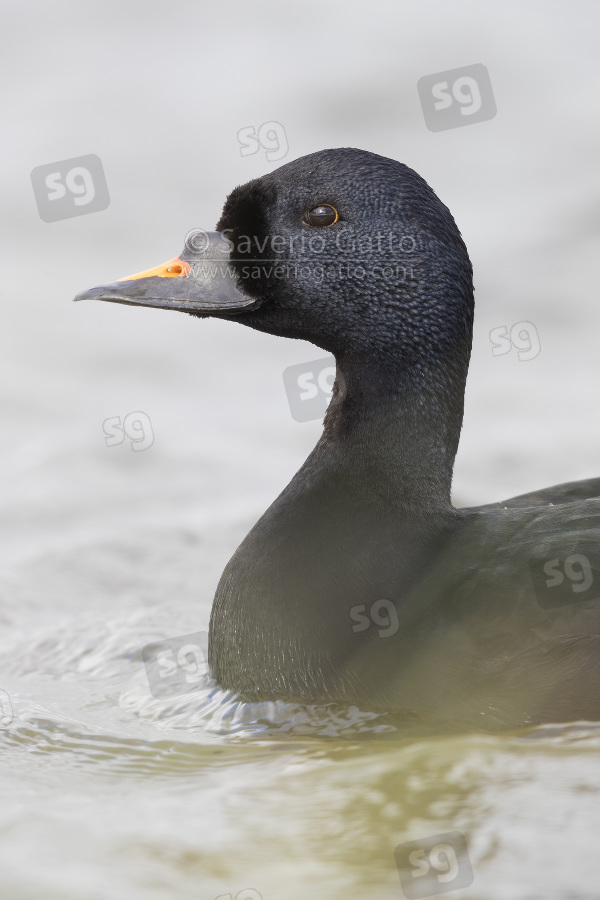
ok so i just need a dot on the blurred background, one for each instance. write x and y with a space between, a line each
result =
171 99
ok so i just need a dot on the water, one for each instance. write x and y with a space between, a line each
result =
107 791
125 795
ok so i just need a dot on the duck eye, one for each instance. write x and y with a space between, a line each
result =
321 215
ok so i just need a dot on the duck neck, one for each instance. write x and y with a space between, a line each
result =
395 424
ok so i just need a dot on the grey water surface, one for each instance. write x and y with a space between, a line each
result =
139 446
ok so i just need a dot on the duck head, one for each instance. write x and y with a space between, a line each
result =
344 248
355 253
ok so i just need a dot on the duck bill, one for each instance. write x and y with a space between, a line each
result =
201 280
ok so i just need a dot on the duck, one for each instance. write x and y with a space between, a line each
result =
362 584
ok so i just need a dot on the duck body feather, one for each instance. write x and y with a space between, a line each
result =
473 638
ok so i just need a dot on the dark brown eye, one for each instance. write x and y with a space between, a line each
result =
321 215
